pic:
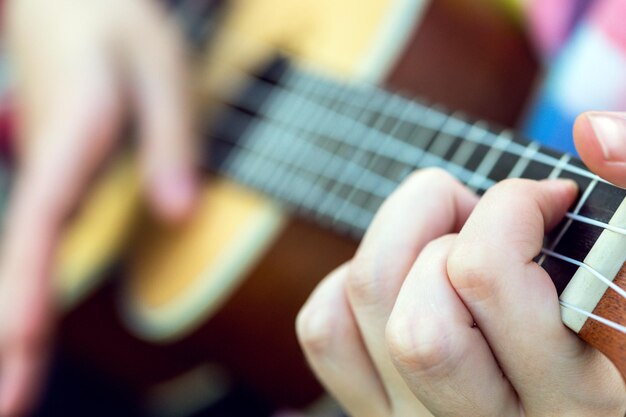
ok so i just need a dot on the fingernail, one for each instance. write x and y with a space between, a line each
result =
610 129
175 193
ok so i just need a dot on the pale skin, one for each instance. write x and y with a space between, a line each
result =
443 312
80 72
81 67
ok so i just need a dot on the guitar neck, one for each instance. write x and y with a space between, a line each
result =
333 152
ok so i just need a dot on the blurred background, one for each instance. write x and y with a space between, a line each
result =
198 320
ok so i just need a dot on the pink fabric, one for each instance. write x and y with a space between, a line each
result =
550 22
610 17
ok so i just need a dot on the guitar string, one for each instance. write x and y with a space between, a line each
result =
562 162
574 217
436 116
595 317
595 273
486 184
556 171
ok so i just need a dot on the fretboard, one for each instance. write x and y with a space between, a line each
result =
333 152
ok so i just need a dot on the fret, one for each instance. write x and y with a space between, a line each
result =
490 160
356 195
603 202
267 163
334 100
577 248
293 140
558 168
343 152
451 131
395 168
431 132
554 173
525 159
353 168
468 147
542 156
567 223
335 152
268 142
357 140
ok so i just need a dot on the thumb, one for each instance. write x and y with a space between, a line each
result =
600 139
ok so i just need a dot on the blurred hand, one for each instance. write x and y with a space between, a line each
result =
442 311
79 67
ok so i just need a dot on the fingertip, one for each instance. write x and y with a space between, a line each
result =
558 196
20 374
174 194
564 187
600 139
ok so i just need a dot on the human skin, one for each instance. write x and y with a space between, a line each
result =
443 312
77 76
80 68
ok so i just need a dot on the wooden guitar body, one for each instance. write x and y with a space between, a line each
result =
227 285
178 275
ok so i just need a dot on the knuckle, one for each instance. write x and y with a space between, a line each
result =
420 345
313 328
470 270
364 283
438 247
324 317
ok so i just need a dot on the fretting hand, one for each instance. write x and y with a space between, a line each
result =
442 311
79 66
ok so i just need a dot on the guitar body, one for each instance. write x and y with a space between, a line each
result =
178 277
227 285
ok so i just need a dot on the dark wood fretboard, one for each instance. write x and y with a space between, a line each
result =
333 152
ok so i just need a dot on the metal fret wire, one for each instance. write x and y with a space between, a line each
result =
571 217
562 164
558 168
405 149
402 151
581 202
351 171
525 155
311 201
436 115
324 159
556 171
491 159
263 164
383 143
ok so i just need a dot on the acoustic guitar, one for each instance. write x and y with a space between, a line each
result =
310 133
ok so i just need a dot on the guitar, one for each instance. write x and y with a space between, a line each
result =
362 142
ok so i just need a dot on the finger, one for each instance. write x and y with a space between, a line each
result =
428 205
600 139
333 346
442 356
158 84
512 298
21 373
26 310
65 146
